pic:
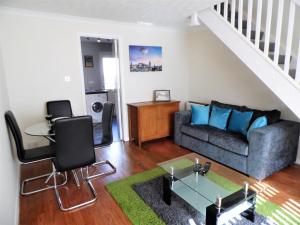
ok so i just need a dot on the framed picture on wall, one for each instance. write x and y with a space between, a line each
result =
88 61
145 58
162 95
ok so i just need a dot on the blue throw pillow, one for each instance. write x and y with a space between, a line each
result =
200 114
259 122
240 121
219 117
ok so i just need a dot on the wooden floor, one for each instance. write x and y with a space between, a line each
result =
41 209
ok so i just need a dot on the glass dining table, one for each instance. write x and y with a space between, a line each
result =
41 129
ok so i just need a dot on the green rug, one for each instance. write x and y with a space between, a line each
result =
141 214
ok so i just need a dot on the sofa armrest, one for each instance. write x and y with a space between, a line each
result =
272 148
180 118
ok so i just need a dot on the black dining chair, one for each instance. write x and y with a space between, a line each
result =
74 150
29 156
59 108
106 138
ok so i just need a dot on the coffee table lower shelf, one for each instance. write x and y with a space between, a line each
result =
237 203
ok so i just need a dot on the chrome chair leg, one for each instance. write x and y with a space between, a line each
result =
59 200
76 178
48 176
47 180
113 169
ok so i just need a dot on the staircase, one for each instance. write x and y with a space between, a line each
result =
238 23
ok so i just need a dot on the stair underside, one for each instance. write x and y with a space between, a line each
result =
285 88
281 59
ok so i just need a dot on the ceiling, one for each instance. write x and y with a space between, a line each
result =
171 13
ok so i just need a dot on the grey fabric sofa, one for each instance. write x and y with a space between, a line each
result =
269 149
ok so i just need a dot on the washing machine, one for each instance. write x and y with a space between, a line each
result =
94 104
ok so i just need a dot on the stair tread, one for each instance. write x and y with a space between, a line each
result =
271 46
244 24
281 59
292 73
253 34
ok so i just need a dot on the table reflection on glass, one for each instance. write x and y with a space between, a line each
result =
42 129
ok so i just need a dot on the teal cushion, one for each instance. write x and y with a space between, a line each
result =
240 121
219 117
200 114
259 122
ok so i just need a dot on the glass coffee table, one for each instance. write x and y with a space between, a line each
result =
213 201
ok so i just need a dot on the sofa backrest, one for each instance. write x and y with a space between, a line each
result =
273 116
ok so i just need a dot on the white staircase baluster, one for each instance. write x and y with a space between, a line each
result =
297 76
268 27
219 8
289 38
258 23
233 2
278 30
226 10
240 21
249 19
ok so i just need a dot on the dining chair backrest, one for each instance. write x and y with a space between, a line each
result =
59 108
15 130
74 143
107 120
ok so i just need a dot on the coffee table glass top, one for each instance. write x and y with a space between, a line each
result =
199 191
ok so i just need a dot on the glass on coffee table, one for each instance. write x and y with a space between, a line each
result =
185 178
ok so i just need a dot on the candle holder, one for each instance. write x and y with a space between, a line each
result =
246 188
172 171
218 203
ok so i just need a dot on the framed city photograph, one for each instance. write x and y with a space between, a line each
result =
162 95
145 58
88 61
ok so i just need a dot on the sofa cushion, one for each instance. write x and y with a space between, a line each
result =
227 106
239 122
273 116
200 114
258 123
232 142
197 131
219 117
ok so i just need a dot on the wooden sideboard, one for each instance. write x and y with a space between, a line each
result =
151 120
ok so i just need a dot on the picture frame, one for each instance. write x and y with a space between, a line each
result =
162 95
145 58
88 61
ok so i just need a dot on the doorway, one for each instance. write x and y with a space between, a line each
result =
101 71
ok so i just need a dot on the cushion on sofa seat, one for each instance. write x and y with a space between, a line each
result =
230 141
197 131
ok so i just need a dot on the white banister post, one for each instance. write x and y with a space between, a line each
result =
226 10
249 19
289 38
278 30
233 12
297 76
240 19
268 27
219 8
258 23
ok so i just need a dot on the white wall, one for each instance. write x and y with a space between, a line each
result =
40 50
9 168
217 73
